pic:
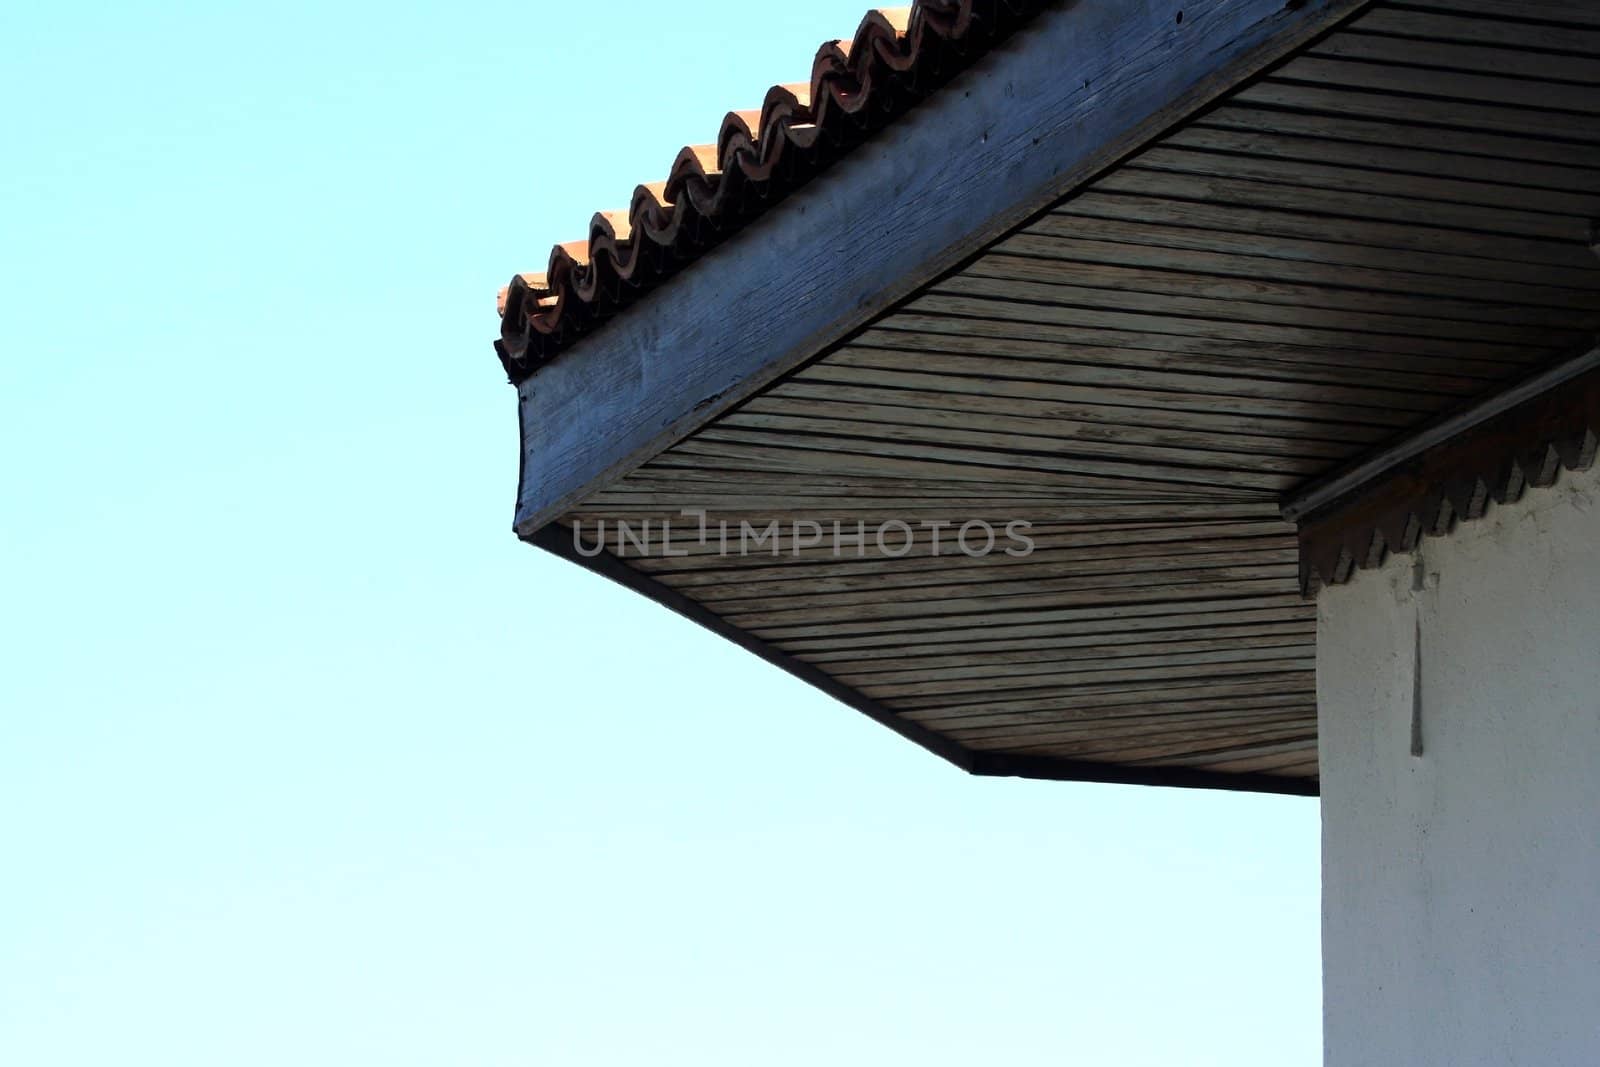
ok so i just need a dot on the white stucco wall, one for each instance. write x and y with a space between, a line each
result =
1461 910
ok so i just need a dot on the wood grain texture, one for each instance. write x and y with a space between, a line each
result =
1372 233
983 154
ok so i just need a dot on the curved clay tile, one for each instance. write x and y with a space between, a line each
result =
896 57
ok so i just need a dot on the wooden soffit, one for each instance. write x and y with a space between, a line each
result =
1136 280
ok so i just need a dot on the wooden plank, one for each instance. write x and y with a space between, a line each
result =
959 376
1204 726
1516 208
732 507
1110 550
849 573
1514 257
1183 746
1045 649
1022 302
1047 508
1110 423
1397 107
795 569
1249 743
1306 768
822 649
1257 758
1020 737
1147 678
1022 432
1131 413
1002 141
1112 693
839 488
1482 178
1534 161
1200 255
909 612
1566 12
1036 453
1051 519
1065 577
1124 617
1541 237
1089 699
1021 593
1300 761
1052 664
1474 58
966 721
1447 25
1207 728
1173 739
1362 308
1287 364
1351 350
1061 623
1034 364
1279 412
853 545
931 463
846 660
1537 98
806 554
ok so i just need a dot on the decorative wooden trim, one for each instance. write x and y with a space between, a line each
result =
1332 488
558 540
1449 471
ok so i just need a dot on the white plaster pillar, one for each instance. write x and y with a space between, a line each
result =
1461 886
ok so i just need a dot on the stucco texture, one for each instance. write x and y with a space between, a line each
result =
1462 885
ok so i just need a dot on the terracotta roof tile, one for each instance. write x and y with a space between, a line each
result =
896 58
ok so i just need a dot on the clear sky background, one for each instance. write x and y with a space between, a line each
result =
305 760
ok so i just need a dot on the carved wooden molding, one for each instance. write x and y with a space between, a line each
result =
1495 459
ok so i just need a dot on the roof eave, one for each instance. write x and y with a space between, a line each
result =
992 148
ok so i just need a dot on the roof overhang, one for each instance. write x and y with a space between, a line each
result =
1084 84
1140 274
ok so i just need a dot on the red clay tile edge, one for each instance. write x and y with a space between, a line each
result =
897 58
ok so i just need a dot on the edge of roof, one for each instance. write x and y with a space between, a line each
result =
896 59
558 540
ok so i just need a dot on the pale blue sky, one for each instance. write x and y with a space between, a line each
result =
305 760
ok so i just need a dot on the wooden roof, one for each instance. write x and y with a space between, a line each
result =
1373 230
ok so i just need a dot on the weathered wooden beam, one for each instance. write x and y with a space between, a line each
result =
1080 88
